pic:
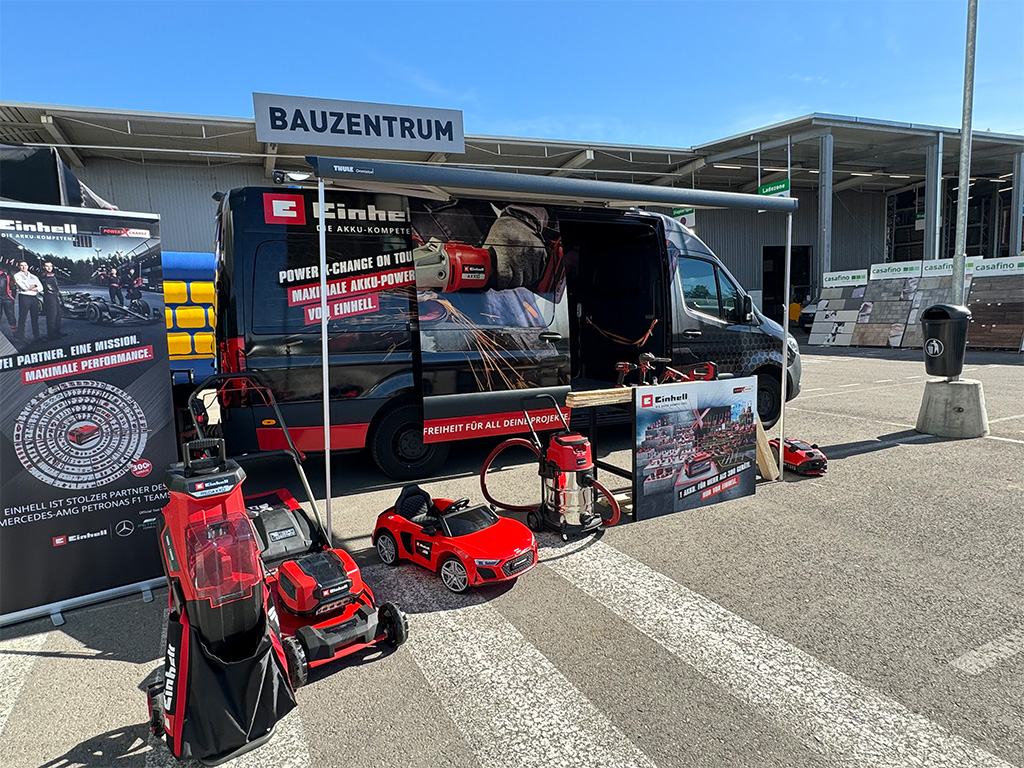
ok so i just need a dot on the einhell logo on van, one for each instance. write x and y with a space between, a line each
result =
283 209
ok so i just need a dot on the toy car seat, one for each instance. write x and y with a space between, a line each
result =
415 505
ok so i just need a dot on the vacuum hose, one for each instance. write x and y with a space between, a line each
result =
611 520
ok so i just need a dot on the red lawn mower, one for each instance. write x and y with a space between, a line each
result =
326 610
257 596
566 469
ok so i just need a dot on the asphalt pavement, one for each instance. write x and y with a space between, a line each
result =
871 617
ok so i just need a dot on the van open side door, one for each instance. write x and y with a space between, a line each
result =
492 315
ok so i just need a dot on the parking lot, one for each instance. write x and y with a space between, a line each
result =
871 617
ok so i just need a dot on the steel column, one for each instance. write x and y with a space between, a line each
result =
1017 205
933 201
823 262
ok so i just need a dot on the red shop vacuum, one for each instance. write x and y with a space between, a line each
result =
567 485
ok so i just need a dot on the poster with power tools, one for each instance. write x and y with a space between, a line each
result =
86 422
493 319
695 445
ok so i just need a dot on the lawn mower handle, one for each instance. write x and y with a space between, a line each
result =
297 456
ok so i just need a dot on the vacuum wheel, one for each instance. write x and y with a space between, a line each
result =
534 521
298 668
395 623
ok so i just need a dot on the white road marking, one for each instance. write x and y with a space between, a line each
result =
1004 439
287 747
912 377
828 711
832 394
1006 418
813 389
855 384
980 659
512 706
884 381
17 657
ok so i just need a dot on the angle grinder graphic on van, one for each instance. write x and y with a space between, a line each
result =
442 312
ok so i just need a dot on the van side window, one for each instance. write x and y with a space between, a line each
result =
732 303
700 288
707 289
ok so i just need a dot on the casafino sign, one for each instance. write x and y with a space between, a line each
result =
327 123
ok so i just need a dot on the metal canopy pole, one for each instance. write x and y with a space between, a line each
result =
325 364
785 345
587 191
963 191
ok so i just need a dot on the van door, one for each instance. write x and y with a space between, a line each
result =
492 317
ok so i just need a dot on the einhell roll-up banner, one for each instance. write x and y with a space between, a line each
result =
86 423
695 445
493 320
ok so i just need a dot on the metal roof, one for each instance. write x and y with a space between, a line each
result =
894 154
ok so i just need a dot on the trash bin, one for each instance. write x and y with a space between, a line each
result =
945 339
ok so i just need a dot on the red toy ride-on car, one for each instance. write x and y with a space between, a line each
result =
466 545
802 458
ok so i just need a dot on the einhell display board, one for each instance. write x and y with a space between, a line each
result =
86 422
695 445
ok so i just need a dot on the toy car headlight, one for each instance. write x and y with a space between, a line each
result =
486 562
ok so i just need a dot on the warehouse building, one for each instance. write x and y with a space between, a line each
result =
870 191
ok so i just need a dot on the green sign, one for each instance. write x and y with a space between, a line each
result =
775 189
686 216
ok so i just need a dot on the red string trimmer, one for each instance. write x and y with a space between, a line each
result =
567 485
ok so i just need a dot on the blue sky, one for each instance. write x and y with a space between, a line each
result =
665 74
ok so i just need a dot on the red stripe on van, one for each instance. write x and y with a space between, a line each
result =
488 425
343 437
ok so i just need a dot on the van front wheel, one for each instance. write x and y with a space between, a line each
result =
769 399
398 449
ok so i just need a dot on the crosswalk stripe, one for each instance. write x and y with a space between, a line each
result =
17 657
828 711
512 706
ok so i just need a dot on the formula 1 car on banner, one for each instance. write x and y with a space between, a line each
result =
466 545
802 458
82 305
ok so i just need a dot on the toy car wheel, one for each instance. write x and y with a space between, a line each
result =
93 313
534 521
454 576
295 654
387 548
395 623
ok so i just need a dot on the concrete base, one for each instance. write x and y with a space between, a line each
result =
953 409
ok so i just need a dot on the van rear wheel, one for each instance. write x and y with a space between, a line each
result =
398 449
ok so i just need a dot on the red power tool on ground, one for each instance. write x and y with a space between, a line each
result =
455 266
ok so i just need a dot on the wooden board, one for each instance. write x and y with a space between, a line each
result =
765 461
595 397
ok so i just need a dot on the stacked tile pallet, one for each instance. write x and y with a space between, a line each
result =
882 318
997 312
836 316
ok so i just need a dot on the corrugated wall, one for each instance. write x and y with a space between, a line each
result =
182 197
858 233
180 194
